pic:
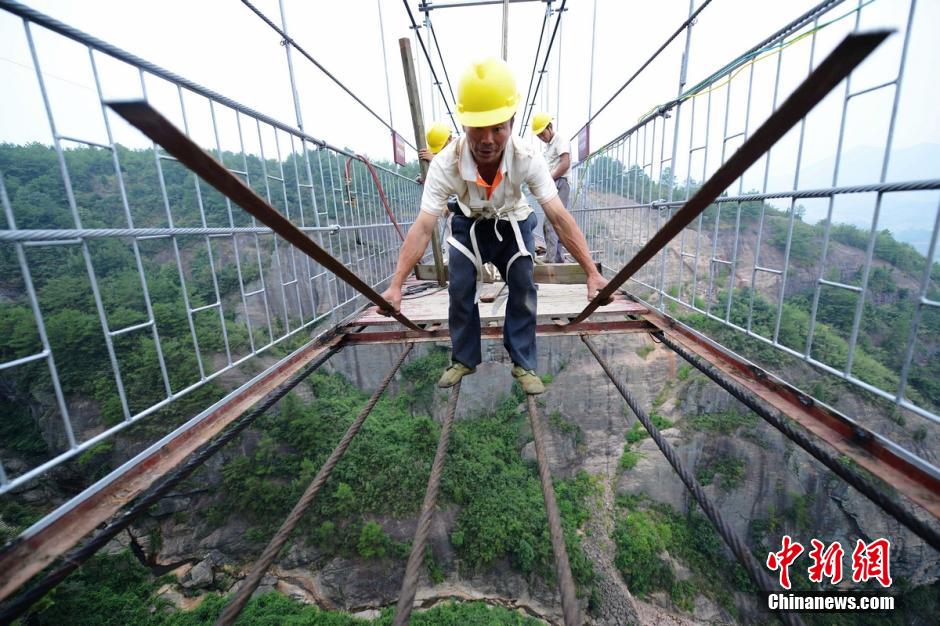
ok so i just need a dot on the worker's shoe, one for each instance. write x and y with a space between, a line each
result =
530 382
453 374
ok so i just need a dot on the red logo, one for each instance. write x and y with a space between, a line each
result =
783 559
826 563
872 560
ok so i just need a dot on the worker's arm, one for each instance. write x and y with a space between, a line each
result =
425 154
574 241
416 241
564 162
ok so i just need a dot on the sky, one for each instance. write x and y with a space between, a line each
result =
222 45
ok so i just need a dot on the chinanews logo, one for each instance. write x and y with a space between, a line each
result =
870 561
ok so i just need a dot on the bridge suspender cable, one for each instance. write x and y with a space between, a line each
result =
854 49
288 41
548 52
731 538
678 31
427 56
251 582
146 119
535 63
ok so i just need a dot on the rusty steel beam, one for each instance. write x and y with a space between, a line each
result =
917 481
496 332
40 545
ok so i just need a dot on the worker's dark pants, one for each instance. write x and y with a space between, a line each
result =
554 251
464 315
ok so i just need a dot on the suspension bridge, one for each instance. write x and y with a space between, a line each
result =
300 236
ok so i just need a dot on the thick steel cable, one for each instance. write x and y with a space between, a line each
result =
929 184
845 471
409 585
668 41
548 54
152 124
148 498
427 56
569 601
287 40
850 52
731 538
251 582
535 63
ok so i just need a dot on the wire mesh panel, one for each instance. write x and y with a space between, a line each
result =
826 248
130 287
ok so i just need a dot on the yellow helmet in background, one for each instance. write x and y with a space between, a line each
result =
486 94
540 122
438 134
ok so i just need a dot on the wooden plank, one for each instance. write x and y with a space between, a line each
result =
554 301
545 273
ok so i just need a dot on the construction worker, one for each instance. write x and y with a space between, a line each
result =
558 157
438 136
486 169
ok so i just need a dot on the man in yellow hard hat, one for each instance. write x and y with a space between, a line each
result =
486 169
557 154
438 136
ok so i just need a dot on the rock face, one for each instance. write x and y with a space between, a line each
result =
779 480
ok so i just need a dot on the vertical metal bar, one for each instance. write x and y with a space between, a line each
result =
130 224
254 222
918 310
277 255
184 290
860 305
202 217
73 208
796 185
40 323
835 177
231 222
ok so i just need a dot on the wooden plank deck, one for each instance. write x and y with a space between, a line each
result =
555 301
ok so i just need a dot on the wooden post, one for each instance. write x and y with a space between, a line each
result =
417 121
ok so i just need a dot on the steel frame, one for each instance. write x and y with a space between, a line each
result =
690 271
300 174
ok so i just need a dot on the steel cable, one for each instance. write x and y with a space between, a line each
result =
248 586
569 601
731 538
854 478
287 40
409 585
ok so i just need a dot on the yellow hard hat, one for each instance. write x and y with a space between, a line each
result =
438 134
486 94
540 122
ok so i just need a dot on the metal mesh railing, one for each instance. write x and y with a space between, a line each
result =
826 249
131 285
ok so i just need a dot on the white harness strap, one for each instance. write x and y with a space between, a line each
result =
475 256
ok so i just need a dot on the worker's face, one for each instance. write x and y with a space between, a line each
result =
546 135
488 142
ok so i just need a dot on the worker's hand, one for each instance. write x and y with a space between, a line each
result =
596 282
393 296
425 154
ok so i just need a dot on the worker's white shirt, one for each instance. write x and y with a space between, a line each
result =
553 151
454 172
